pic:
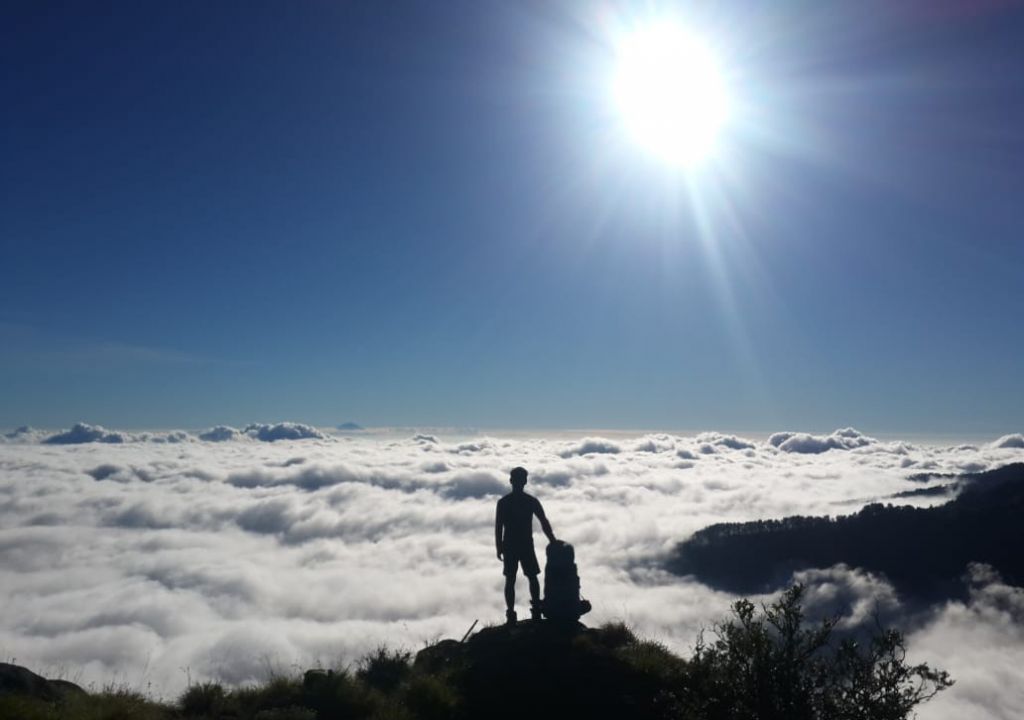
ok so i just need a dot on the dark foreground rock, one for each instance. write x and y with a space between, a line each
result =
547 670
16 680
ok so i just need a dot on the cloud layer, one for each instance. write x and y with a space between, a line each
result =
229 550
83 433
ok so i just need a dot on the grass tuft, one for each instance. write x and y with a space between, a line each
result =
384 669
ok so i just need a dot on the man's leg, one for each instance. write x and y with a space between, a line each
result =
534 597
511 568
531 569
510 592
534 589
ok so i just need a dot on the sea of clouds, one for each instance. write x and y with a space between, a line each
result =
155 559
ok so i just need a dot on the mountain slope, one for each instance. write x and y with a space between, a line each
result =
924 552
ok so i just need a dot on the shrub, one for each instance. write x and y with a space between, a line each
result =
654 660
615 635
278 692
384 669
335 694
286 713
109 704
430 697
113 703
771 666
27 708
202 700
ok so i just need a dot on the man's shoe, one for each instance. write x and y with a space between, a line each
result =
510 617
535 613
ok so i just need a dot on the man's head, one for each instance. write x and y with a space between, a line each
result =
518 478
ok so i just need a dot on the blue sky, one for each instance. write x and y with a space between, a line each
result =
429 214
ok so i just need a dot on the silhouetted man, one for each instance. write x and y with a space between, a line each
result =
513 539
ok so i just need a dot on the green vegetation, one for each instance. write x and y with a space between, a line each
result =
109 704
763 663
772 665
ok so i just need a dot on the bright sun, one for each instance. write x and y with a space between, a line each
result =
670 93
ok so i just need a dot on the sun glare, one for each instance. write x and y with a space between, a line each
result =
670 94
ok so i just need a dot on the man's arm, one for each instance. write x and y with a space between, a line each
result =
544 524
497 531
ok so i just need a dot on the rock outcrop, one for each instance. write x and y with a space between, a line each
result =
17 680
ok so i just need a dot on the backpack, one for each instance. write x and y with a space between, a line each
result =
562 599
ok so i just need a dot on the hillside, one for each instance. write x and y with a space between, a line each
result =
535 669
923 552
767 665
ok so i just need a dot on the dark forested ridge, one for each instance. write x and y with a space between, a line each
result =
923 552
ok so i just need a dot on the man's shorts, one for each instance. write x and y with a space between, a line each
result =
525 556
